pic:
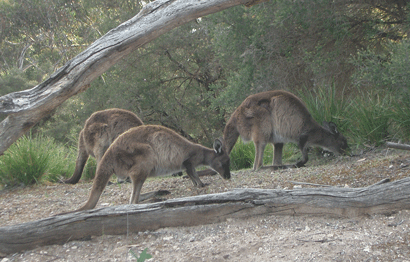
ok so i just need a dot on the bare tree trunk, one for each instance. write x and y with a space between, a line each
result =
26 108
382 198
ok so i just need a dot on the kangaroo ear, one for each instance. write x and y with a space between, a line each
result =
331 127
218 146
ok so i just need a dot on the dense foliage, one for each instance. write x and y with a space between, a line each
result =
348 60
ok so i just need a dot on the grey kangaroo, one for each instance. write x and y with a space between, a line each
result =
280 117
151 150
100 130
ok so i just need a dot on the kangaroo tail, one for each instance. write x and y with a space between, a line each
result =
82 158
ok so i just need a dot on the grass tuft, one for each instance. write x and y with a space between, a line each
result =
31 160
370 120
243 154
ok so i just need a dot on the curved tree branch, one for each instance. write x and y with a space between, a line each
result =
26 108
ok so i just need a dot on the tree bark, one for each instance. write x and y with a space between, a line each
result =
26 108
204 209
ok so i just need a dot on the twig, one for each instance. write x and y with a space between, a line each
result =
395 224
44 254
368 259
318 241
386 180
305 183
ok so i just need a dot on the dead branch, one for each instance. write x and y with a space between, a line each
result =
397 146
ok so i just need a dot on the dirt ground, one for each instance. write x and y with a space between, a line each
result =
261 238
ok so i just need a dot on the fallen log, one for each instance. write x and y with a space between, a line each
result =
381 198
398 146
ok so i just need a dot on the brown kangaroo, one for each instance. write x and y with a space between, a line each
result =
151 150
99 131
280 117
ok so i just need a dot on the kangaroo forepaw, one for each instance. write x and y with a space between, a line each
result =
300 164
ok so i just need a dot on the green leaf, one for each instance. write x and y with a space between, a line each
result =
143 256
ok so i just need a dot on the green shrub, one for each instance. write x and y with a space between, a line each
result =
370 119
324 105
400 118
30 160
242 155
387 69
61 162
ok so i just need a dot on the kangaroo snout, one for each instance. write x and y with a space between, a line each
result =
226 174
338 143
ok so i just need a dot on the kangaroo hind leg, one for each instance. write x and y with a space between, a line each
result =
259 149
102 175
143 165
277 154
138 176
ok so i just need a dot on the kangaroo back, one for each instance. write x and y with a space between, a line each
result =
103 127
99 131
150 150
279 117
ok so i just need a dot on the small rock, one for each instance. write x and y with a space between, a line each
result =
168 238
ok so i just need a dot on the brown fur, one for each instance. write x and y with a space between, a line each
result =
151 150
99 131
279 117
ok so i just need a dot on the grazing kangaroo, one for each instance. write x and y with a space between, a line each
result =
100 130
280 117
151 150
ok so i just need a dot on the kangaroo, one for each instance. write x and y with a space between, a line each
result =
151 150
99 131
280 117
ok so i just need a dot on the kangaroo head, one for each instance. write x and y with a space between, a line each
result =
336 143
221 161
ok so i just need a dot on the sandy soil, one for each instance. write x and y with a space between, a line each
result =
262 238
